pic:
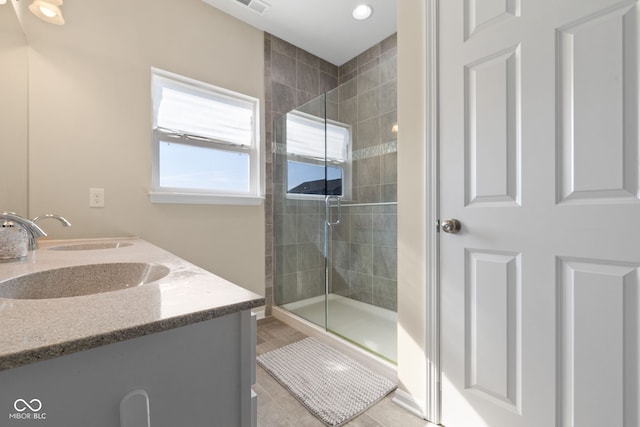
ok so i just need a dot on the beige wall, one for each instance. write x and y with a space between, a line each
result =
13 113
412 202
89 124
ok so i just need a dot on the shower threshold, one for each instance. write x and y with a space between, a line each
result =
369 330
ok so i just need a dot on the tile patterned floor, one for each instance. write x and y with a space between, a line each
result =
276 407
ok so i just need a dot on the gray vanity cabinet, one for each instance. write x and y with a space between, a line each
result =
199 375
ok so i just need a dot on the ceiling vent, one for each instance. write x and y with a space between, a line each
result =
257 6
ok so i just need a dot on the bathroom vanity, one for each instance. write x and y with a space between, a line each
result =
176 350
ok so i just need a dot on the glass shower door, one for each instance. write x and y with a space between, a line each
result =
362 244
302 179
335 219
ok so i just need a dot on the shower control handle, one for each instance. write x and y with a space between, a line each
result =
451 226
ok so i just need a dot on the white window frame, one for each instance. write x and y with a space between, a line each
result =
159 194
345 164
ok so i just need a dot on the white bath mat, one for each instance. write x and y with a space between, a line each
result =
332 386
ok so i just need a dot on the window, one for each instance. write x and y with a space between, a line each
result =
205 143
318 157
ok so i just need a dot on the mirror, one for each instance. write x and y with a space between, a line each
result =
13 112
76 115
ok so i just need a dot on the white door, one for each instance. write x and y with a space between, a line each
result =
539 162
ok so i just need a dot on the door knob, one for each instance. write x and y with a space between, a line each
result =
452 226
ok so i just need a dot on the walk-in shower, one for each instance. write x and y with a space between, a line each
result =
334 195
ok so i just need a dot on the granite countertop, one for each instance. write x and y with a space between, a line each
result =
38 329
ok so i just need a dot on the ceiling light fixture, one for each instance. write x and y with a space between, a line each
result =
48 11
362 12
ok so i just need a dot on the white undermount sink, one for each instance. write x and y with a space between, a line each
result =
81 280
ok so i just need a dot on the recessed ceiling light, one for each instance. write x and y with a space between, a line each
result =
362 12
48 10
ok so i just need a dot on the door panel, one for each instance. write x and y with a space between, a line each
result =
598 332
481 14
598 133
539 160
492 121
492 312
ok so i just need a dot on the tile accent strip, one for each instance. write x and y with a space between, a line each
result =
375 151
363 153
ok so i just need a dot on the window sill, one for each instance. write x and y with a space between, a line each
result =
204 199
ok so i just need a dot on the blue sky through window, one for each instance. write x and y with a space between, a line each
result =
188 166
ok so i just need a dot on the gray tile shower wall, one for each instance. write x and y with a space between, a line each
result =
364 245
293 254
364 254
368 101
361 93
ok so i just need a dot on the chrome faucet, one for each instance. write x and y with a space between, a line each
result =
32 229
62 219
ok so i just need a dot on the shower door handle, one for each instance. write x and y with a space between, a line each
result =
327 207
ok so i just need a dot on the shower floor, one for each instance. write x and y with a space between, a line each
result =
366 325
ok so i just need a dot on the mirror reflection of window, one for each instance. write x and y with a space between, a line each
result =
318 157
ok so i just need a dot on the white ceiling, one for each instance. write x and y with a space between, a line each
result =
324 28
